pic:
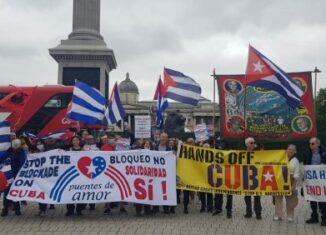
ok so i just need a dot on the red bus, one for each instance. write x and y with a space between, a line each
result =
39 110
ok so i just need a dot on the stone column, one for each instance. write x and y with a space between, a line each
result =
86 20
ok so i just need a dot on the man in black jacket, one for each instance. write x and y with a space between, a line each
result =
316 155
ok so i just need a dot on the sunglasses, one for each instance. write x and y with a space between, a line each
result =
252 142
312 143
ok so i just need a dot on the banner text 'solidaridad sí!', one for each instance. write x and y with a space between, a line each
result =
233 171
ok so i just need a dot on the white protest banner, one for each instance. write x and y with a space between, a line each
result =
201 133
60 177
314 185
143 126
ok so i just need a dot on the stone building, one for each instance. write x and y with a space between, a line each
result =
129 94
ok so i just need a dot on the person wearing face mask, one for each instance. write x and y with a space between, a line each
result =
292 200
108 143
17 158
40 147
251 145
316 155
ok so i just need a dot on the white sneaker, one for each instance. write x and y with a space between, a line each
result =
290 219
276 218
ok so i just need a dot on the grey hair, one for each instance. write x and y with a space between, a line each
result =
247 140
292 146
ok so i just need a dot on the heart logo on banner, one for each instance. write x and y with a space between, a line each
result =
91 168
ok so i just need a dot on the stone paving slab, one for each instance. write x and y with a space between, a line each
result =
96 222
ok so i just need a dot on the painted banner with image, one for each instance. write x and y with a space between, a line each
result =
233 172
314 185
61 177
267 114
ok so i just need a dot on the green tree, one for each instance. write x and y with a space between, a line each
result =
321 113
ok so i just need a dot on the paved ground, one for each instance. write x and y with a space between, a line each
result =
95 222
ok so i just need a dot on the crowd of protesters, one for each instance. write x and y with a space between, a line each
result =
315 155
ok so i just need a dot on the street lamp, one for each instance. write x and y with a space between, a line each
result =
315 92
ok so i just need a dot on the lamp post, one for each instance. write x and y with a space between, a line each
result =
316 70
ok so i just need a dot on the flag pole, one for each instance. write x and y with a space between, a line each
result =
151 113
213 108
315 91
245 99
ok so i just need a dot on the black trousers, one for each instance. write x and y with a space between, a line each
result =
178 195
42 207
79 208
257 205
7 202
206 200
139 208
322 208
219 202
186 196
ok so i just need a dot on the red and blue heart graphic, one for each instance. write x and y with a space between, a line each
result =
91 168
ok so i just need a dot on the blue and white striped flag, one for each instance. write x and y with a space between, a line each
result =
115 111
87 105
6 175
180 87
5 142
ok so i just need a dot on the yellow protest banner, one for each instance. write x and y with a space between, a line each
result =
233 171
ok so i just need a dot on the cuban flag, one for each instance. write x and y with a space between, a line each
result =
161 104
180 87
6 175
62 135
262 72
87 104
5 140
115 111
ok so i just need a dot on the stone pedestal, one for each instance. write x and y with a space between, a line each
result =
84 55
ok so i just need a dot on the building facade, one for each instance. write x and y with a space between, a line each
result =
202 113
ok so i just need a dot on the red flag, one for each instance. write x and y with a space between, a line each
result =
256 67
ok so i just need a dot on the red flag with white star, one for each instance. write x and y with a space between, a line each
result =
256 67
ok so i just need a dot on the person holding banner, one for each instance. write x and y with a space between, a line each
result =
251 145
90 144
292 200
218 199
163 146
316 155
206 199
139 207
40 147
76 146
17 157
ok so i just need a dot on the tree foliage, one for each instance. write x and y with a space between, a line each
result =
321 112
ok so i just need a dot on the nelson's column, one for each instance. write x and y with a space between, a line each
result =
84 55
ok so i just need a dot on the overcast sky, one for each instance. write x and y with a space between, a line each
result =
186 35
